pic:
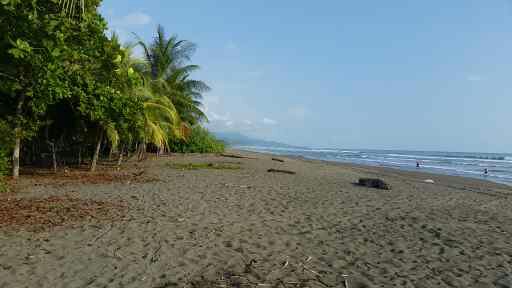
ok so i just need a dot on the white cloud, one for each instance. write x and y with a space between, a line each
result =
268 121
248 122
229 123
132 19
474 78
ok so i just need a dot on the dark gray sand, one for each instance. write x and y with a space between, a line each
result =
315 224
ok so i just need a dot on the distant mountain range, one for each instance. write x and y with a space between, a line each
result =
238 139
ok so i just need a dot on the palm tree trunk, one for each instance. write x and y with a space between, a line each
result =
97 151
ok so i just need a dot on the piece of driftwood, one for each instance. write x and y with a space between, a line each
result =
373 183
137 174
235 156
281 171
278 160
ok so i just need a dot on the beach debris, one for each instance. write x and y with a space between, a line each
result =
281 171
100 235
137 174
373 183
235 156
252 277
278 160
345 280
43 214
238 186
199 166
155 256
430 181
248 266
504 281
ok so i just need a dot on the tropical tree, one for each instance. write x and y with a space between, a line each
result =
165 67
68 89
31 50
187 93
54 63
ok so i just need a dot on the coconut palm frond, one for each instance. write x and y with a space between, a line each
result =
73 7
167 113
155 134
112 134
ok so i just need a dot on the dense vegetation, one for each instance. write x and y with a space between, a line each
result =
69 93
198 141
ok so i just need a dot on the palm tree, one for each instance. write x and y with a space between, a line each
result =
165 69
161 119
163 56
187 94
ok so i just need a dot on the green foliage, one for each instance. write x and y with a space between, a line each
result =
3 171
6 144
199 140
3 186
63 83
168 76
4 162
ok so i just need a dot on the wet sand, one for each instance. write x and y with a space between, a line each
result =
312 227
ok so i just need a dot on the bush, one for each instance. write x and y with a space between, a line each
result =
200 140
4 166
5 147
4 162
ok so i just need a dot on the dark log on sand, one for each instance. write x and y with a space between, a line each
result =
278 160
373 183
281 171
235 156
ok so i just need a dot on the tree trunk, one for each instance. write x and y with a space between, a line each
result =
17 145
120 160
111 153
54 157
142 151
79 157
97 151
16 155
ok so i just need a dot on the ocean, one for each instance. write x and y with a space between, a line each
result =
499 165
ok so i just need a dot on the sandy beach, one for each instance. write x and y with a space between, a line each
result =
230 221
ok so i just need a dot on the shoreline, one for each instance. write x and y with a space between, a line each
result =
398 169
197 220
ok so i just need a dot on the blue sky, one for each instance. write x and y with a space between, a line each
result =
422 75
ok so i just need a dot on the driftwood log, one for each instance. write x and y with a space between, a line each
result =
281 171
235 156
278 160
373 183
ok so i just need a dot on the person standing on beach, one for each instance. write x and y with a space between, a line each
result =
417 164
486 172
